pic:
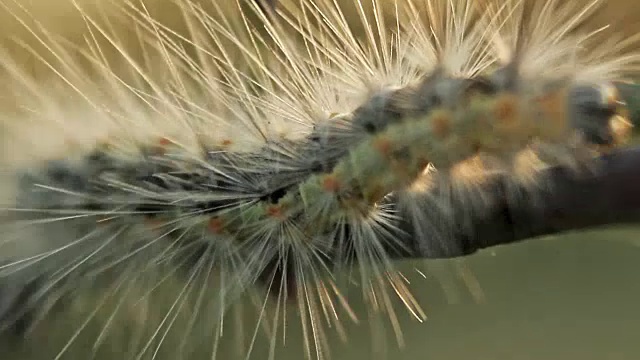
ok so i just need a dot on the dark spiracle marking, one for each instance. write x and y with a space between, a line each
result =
381 110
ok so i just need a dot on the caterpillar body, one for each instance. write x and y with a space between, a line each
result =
329 152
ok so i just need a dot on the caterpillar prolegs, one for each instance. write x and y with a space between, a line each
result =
282 152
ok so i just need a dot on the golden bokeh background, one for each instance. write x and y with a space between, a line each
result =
62 18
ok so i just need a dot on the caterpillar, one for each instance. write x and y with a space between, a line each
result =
271 154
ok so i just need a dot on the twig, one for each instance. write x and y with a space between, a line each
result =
609 196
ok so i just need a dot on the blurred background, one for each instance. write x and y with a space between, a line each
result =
574 296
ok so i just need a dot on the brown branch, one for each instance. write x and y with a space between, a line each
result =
610 196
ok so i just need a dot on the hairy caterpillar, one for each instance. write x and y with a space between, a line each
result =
237 167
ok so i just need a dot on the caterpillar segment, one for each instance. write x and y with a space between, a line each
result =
393 156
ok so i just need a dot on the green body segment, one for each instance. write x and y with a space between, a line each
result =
500 125
379 165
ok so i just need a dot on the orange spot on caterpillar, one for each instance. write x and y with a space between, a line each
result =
330 183
383 145
163 141
441 123
553 107
160 146
227 142
505 109
215 225
275 211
